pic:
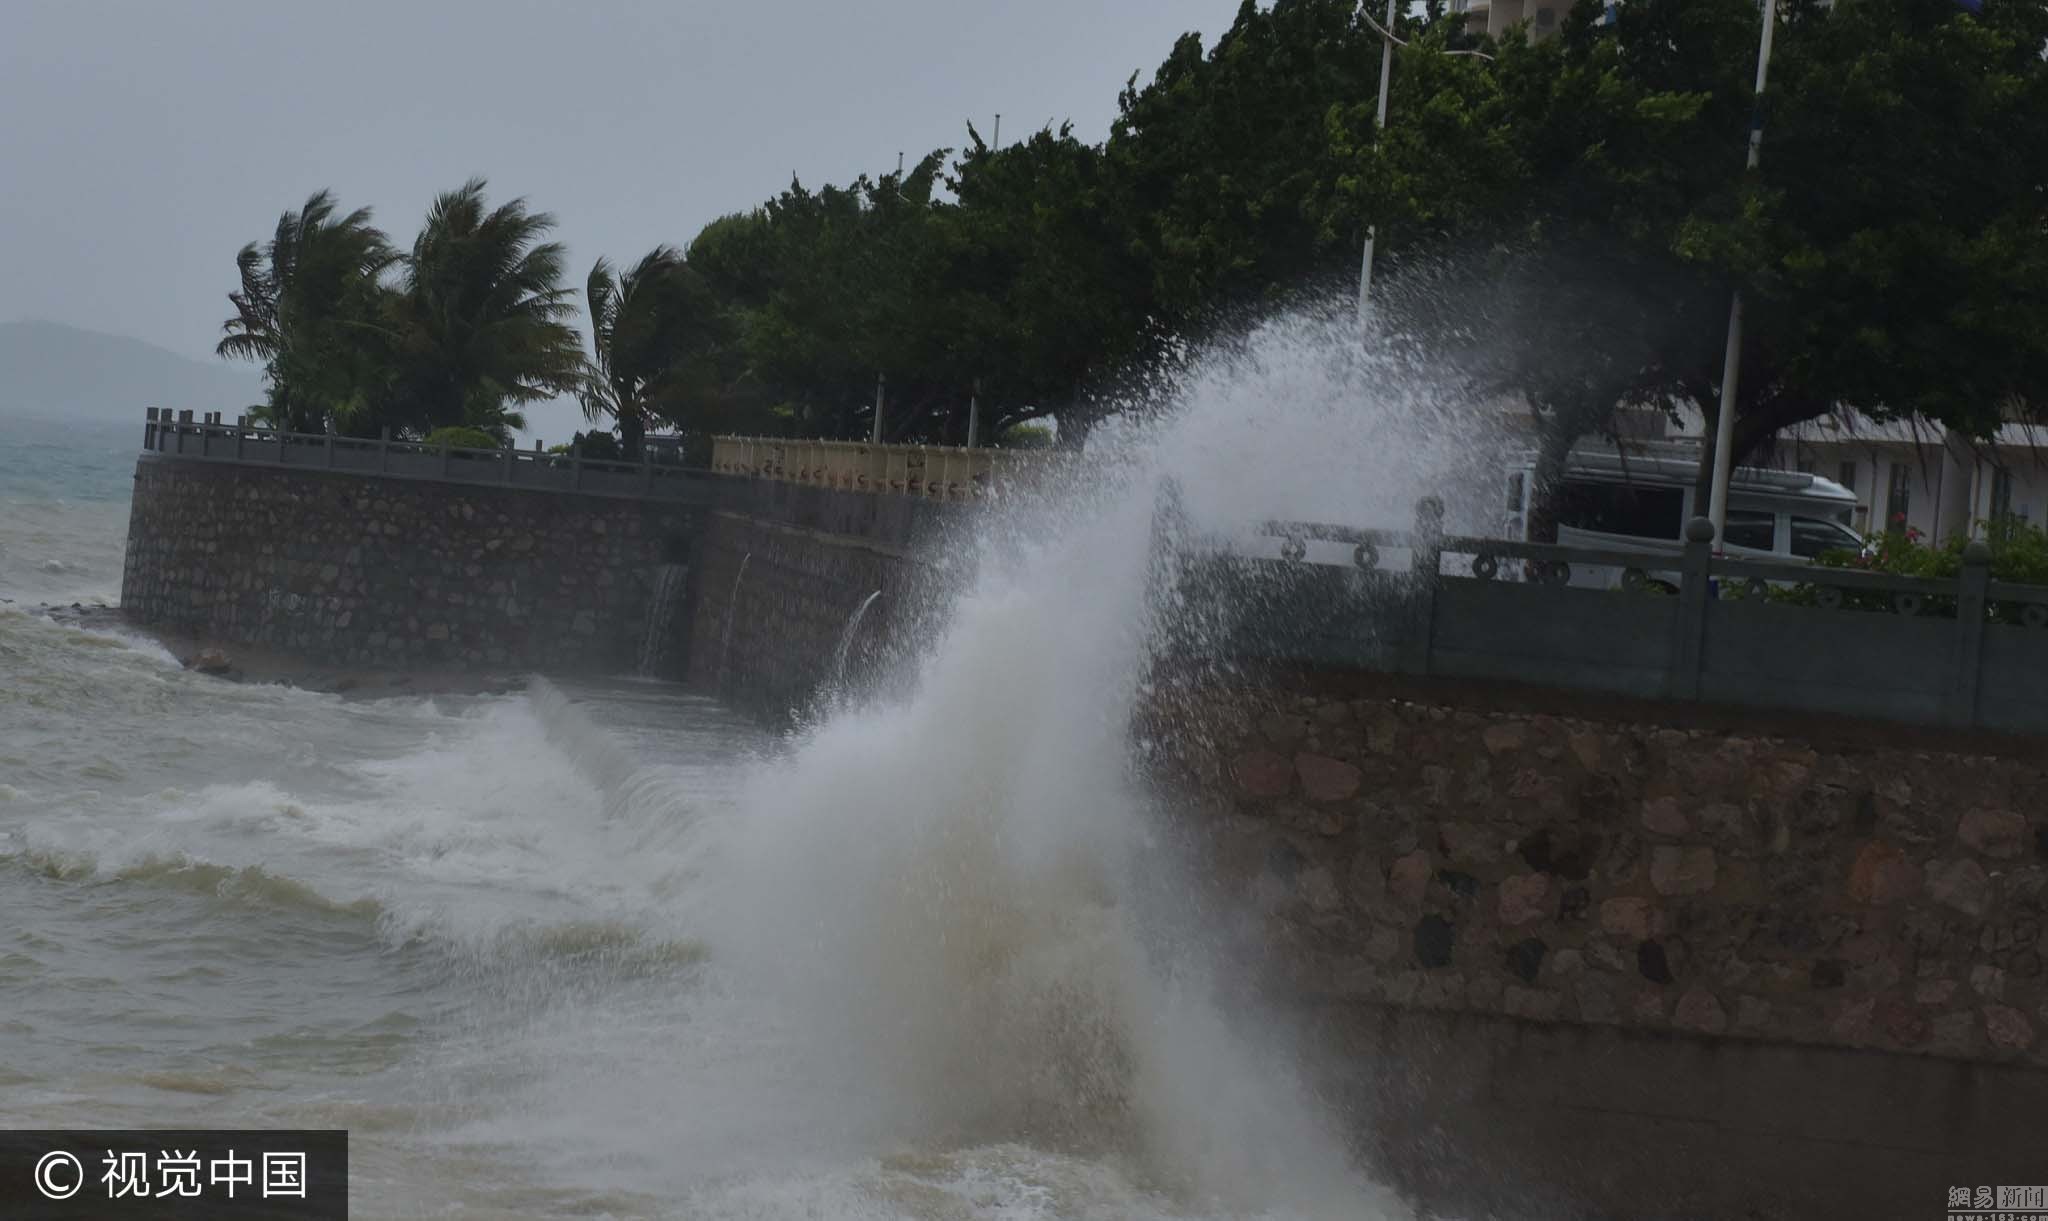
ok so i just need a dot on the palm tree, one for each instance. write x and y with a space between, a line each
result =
480 321
643 326
307 310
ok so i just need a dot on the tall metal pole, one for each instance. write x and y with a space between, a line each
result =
881 384
1379 125
1731 360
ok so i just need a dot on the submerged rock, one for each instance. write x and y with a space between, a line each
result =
210 661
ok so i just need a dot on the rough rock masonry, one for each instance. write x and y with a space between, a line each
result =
1572 871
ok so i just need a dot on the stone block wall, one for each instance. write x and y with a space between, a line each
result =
774 602
354 570
1630 875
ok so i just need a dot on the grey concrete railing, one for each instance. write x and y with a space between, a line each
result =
210 439
1688 625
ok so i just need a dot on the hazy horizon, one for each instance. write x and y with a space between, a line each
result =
167 136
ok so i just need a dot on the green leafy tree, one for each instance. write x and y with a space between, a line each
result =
1227 160
308 308
1894 246
1890 250
479 325
1562 220
1044 291
825 290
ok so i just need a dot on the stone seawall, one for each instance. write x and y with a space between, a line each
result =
775 602
354 570
1641 875
1563 937
781 572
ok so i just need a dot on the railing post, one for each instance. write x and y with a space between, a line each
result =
149 428
1968 669
1425 569
184 418
1689 626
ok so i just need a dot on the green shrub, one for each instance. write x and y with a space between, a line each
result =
1026 436
461 436
2019 554
595 446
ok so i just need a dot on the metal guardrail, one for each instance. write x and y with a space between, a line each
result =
936 472
209 439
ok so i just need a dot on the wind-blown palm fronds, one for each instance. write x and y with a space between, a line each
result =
644 326
481 321
306 309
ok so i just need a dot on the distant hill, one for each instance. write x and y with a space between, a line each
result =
49 369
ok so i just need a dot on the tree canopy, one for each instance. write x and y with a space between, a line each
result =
1562 219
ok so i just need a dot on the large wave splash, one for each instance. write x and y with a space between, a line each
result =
964 890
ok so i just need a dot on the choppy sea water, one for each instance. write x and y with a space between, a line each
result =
604 949
64 489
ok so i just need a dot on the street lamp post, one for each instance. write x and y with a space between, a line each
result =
1731 360
1387 44
1379 125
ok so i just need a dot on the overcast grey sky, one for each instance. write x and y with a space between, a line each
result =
144 141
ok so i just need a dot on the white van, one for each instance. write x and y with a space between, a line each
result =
1640 500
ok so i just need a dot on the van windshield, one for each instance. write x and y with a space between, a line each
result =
1621 508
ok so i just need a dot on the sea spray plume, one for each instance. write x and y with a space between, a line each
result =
1318 429
956 894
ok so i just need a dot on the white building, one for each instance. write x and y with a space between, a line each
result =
1934 481
1493 17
